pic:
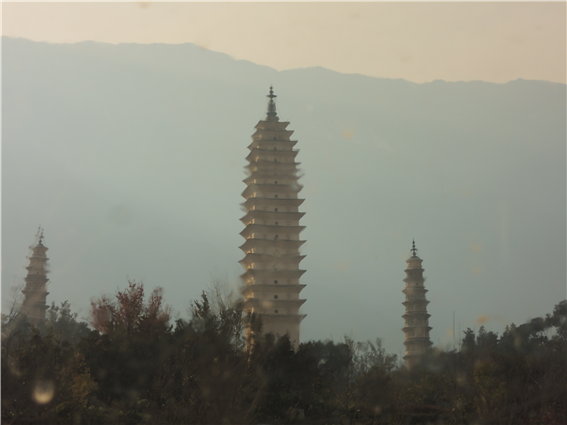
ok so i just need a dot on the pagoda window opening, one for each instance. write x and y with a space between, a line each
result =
276 311
275 297
276 237
275 209
275 196
275 182
276 223
276 282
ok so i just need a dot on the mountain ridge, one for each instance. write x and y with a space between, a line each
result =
222 54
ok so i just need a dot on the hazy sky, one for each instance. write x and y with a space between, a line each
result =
419 42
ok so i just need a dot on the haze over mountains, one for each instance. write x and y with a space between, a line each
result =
131 157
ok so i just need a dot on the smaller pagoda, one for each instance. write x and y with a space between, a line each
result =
417 325
35 291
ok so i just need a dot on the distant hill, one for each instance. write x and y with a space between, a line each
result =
131 157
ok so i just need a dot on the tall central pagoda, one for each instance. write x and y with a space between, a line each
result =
271 281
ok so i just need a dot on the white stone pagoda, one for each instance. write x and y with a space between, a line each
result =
417 325
271 281
35 291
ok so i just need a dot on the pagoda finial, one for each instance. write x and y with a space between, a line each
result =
39 235
272 114
413 248
271 95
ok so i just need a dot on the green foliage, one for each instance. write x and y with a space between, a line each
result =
205 378
135 368
61 321
130 314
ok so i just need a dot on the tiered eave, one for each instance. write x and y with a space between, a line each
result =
271 280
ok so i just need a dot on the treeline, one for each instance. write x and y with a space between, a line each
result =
132 364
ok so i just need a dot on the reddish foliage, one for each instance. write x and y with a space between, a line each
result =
130 313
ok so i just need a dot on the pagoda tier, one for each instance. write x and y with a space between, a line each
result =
291 262
271 216
272 144
255 276
272 204
271 232
277 167
263 246
271 281
261 178
35 291
416 327
272 155
287 305
272 133
283 190
265 177
268 288
271 123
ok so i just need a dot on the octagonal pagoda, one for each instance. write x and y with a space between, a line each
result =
35 291
271 281
416 318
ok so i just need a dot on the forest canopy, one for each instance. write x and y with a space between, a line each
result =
133 364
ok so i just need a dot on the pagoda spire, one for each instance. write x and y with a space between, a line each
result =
416 327
35 292
272 114
271 281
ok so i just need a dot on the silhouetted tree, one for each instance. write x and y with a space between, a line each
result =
129 345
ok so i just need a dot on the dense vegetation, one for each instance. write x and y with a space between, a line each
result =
132 365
